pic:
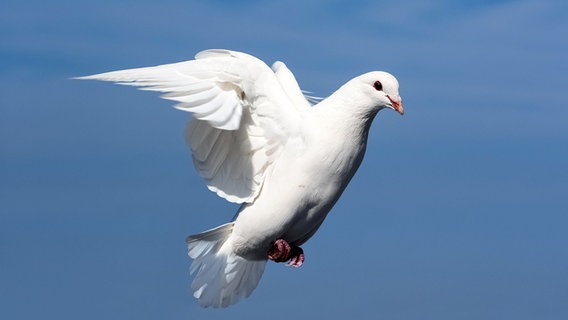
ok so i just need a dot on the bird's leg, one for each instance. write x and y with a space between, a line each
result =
282 251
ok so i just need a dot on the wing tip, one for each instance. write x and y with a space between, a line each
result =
91 77
106 76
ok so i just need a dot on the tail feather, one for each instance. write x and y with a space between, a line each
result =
222 278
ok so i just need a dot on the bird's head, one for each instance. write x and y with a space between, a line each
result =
380 89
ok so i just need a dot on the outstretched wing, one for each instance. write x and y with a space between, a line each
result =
243 115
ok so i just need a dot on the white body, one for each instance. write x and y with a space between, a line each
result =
256 140
302 187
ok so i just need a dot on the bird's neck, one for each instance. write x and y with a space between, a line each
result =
346 112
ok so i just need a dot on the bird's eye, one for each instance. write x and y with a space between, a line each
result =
378 86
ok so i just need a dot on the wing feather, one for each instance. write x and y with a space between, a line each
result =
243 114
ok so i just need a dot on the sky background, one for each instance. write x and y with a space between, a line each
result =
459 210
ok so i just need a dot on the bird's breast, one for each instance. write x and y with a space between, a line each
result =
297 194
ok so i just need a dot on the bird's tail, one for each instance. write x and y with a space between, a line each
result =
221 276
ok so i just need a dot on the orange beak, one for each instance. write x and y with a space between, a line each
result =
397 104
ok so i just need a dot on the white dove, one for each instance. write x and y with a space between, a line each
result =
256 140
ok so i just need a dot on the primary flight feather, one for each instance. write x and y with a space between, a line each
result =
256 140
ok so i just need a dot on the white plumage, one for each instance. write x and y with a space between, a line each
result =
256 140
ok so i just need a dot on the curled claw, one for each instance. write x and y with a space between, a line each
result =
297 257
282 251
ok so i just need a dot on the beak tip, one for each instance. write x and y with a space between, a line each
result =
400 110
396 104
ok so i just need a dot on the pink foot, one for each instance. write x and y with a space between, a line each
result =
297 257
282 251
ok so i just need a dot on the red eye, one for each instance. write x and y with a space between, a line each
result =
378 86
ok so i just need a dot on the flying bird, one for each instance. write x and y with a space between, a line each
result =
256 140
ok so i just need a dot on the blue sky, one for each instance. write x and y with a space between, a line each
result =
459 210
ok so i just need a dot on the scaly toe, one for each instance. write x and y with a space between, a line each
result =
298 257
